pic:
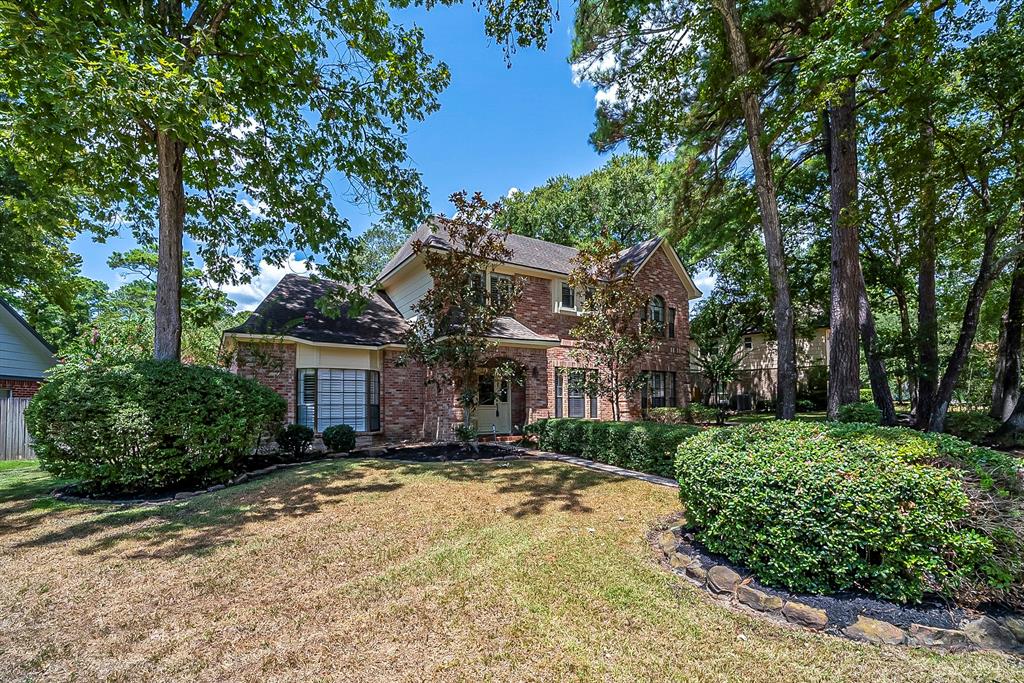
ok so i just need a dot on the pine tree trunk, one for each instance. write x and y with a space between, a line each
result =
767 201
1014 424
880 389
927 318
171 192
844 340
1006 384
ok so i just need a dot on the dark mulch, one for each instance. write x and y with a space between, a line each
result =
449 452
843 607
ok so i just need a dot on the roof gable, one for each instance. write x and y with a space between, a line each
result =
290 310
23 352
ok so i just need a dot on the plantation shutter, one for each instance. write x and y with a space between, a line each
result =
350 397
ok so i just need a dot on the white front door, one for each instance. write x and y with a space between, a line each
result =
494 411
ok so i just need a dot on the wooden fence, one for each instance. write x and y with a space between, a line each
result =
15 443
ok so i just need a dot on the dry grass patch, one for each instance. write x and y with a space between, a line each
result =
369 570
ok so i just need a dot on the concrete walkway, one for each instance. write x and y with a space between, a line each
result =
602 467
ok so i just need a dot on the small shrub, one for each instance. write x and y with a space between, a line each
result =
148 426
971 426
804 405
827 507
465 432
863 411
643 446
340 438
294 440
694 413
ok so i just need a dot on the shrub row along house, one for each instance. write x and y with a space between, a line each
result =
350 369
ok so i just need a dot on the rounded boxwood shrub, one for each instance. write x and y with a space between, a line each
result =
826 507
294 440
860 412
340 438
148 426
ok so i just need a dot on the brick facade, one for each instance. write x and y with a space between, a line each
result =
413 408
272 365
20 388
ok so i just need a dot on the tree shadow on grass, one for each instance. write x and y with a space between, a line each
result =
199 525
555 487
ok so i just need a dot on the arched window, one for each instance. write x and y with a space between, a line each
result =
656 313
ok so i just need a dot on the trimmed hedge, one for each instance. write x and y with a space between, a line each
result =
148 426
643 446
294 440
826 507
689 414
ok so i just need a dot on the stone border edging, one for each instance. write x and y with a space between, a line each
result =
725 584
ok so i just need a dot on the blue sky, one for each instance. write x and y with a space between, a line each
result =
497 128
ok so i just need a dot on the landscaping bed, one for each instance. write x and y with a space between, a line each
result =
443 451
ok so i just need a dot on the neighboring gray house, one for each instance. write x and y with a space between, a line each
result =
24 355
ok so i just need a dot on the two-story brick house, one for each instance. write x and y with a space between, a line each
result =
349 370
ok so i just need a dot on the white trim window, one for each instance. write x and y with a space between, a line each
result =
328 397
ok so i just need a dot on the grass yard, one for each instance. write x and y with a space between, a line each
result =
369 570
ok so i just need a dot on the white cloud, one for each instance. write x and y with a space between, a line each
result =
250 294
257 208
511 191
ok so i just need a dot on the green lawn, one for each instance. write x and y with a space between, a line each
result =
370 570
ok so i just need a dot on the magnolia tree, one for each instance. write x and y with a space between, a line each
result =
611 334
455 319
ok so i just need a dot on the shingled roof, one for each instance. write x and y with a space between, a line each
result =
290 310
528 252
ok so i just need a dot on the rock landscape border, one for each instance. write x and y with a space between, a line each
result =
724 584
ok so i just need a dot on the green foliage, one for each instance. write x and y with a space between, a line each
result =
971 426
148 426
286 92
642 446
465 432
340 438
623 199
294 440
610 334
693 413
451 333
862 411
826 507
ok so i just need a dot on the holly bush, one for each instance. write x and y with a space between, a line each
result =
825 507
148 426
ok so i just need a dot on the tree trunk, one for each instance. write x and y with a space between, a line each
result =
171 192
844 341
880 389
1014 424
968 329
907 335
767 201
1006 384
927 318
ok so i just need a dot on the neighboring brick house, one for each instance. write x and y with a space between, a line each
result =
24 355
349 370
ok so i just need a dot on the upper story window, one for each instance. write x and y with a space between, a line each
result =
656 313
748 343
568 297
501 285
671 323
